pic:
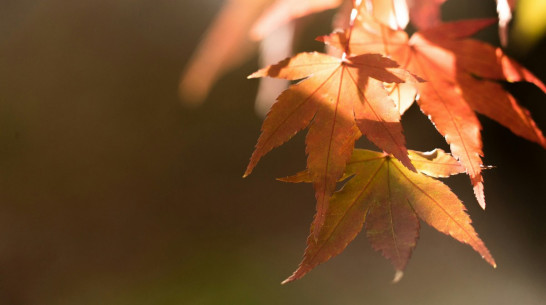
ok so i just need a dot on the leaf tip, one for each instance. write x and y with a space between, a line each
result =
491 261
251 165
248 171
260 73
480 196
397 276
481 201
288 280
297 178
406 161
253 75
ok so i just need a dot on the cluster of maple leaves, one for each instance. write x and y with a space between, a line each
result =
372 75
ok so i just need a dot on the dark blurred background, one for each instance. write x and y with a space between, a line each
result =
113 192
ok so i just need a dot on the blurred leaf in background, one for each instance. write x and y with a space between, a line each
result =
529 24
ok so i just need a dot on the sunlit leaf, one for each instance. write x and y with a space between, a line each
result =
339 99
389 199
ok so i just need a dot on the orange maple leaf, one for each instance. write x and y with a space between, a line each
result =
339 99
388 198
461 77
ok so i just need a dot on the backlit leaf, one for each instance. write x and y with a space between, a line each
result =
339 99
388 198
462 76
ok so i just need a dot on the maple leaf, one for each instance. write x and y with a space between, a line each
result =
389 199
461 77
339 99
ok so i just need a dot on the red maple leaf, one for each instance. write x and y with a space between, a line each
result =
462 76
389 199
339 99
